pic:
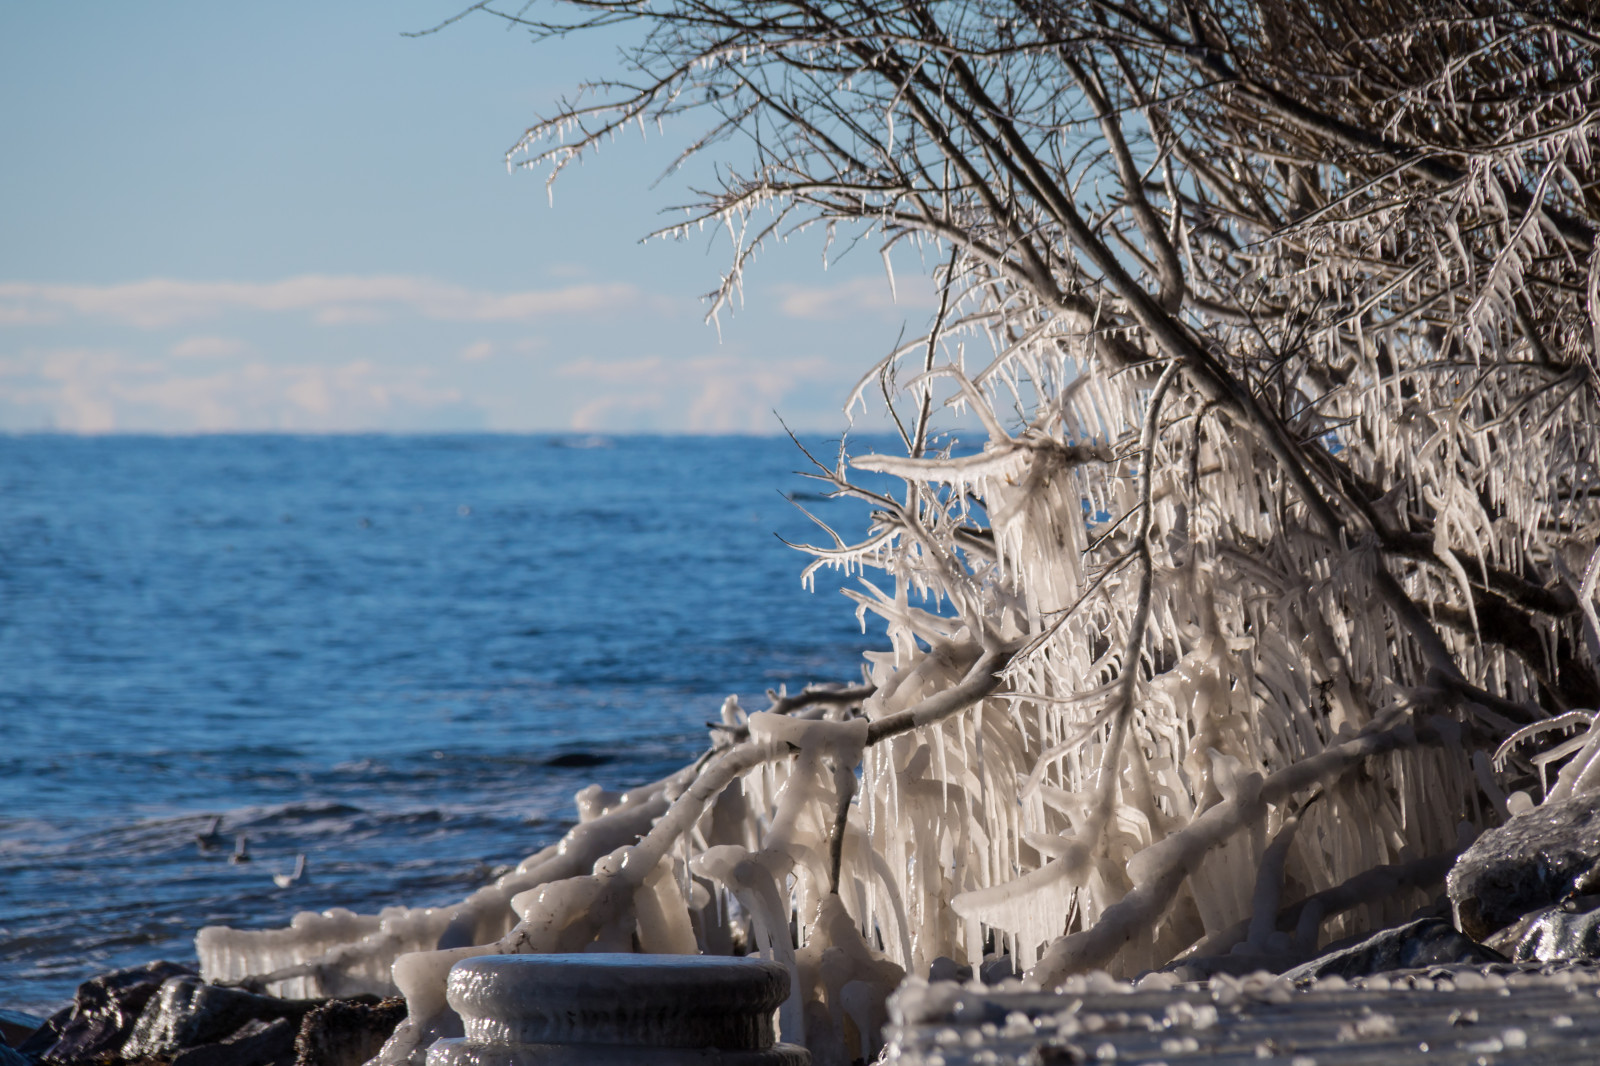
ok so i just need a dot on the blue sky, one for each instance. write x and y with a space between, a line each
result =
293 217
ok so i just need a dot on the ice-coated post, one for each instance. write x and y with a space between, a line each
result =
616 1010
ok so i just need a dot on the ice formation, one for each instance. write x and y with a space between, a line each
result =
1285 515
1007 783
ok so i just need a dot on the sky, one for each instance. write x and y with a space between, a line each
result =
295 217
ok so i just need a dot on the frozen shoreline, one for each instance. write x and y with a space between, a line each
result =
1527 1013
1497 1013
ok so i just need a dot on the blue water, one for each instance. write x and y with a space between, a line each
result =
397 655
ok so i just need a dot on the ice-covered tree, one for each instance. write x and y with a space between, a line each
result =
1280 318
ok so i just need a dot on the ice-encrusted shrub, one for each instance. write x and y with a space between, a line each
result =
1280 320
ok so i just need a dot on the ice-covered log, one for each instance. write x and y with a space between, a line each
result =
339 953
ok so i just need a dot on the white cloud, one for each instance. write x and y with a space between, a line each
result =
613 412
707 394
331 300
18 315
651 367
349 315
104 390
476 352
857 296
208 347
80 406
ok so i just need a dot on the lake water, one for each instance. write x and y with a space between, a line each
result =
399 656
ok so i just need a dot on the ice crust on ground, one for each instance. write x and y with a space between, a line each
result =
1446 1015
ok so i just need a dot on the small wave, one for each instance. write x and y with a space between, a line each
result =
362 766
295 812
422 817
574 760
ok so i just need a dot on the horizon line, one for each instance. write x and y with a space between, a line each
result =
576 434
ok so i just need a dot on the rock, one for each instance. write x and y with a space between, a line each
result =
103 1014
1570 930
257 1043
996 968
44 1037
16 1026
187 1013
1537 859
9 1056
1242 960
347 1032
944 968
1417 944
1055 1055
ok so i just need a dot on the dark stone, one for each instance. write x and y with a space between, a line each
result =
996 968
16 1026
1424 942
103 1013
945 968
1570 930
1537 859
1242 960
257 1043
347 1032
44 1037
187 1013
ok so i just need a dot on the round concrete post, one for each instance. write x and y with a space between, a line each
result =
616 1010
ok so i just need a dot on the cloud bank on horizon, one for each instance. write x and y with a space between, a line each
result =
323 353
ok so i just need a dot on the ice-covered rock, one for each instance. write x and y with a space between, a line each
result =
1424 942
1569 930
43 1038
256 1043
187 1013
104 1012
1537 859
